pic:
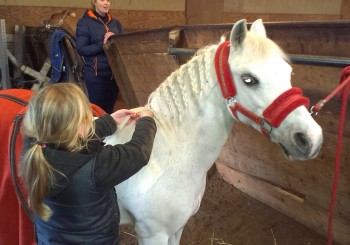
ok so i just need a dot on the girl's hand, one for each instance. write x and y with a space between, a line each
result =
146 113
120 114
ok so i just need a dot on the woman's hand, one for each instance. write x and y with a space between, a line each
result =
107 36
120 114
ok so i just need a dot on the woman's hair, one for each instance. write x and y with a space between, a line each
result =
92 4
61 115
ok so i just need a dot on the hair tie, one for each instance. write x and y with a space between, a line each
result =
43 145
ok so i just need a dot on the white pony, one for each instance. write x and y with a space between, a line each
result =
195 114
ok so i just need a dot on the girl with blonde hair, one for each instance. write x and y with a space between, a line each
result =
68 172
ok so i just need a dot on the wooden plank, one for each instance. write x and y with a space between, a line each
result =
40 76
316 81
229 17
136 56
142 97
141 20
120 73
345 10
140 65
32 16
286 203
283 6
208 36
134 44
163 5
325 38
204 11
304 182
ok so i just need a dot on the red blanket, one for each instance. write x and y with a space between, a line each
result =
15 225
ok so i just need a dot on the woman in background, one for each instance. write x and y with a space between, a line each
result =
93 31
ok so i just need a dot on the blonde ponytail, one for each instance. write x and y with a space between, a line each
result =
61 115
38 177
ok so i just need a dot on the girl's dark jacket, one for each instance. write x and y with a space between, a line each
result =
89 42
84 205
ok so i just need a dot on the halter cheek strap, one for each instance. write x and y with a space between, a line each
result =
274 114
223 72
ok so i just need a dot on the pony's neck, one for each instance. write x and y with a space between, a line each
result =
191 111
182 94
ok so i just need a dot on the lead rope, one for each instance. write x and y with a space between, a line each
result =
343 91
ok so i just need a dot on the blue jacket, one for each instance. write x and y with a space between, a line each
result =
90 34
58 62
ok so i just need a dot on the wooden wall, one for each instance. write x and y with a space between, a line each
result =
150 14
130 19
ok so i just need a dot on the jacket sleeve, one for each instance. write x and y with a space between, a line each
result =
114 164
105 126
84 35
119 27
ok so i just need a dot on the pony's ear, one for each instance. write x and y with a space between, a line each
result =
238 33
258 28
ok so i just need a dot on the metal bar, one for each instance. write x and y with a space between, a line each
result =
319 60
295 59
12 58
4 66
19 49
182 51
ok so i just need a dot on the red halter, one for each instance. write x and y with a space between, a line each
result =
274 114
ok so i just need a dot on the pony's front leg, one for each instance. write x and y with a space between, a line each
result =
159 239
175 239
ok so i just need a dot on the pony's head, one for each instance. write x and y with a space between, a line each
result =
257 86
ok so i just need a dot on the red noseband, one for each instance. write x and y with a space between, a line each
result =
283 105
274 114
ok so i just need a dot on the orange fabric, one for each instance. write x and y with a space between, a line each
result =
92 15
97 111
15 226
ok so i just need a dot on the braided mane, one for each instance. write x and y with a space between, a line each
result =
182 91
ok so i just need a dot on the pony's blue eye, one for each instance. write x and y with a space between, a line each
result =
249 80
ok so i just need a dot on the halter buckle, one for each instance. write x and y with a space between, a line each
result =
231 101
266 127
312 112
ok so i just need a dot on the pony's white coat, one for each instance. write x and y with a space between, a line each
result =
194 122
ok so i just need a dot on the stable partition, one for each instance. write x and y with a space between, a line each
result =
249 161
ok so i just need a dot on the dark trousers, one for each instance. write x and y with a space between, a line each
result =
103 92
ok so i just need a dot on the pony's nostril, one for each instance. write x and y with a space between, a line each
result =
303 142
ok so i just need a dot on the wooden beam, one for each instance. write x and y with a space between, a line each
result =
286 203
40 76
345 10
204 11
